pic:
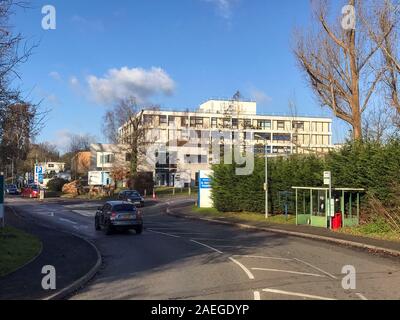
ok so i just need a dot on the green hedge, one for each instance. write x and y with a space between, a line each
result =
56 184
368 165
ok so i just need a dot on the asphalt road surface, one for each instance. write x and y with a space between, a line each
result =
183 259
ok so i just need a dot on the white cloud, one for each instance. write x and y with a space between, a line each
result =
259 96
55 75
122 83
73 81
224 7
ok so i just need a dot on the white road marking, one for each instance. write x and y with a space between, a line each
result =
361 296
207 246
49 214
257 295
237 247
316 268
248 272
295 294
288 271
262 257
85 213
164 234
81 205
209 239
68 221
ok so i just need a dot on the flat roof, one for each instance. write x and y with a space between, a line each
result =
208 114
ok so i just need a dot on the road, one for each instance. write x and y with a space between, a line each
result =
184 259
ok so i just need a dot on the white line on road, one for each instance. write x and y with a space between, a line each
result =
295 294
210 239
85 213
248 272
361 296
288 271
262 257
164 234
316 268
209 247
189 233
257 296
68 221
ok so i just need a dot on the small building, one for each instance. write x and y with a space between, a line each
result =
54 167
110 160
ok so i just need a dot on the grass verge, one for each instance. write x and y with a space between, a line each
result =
377 229
16 249
245 216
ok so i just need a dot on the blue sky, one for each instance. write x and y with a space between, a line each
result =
176 53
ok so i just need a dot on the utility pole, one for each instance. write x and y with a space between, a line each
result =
266 175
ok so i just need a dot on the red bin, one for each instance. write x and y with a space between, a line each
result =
337 221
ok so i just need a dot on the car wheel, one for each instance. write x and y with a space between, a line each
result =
96 224
139 230
108 229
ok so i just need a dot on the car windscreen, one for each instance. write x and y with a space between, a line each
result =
132 194
124 208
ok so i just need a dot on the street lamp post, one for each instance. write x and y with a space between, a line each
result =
266 175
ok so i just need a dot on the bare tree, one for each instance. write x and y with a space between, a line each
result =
338 62
378 124
80 142
20 121
387 28
125 124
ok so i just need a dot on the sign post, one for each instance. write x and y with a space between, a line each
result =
205 188
39 174
331 206
2 218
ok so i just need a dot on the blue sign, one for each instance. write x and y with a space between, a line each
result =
40 178
205 183
39 170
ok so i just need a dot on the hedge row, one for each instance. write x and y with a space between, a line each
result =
372 166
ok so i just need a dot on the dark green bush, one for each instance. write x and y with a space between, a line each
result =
372 166
56 184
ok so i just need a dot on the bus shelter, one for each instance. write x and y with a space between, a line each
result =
317 206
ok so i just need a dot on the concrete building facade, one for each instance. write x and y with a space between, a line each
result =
187 137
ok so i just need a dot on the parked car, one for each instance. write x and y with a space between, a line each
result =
132 196
118 215
31 191
11 189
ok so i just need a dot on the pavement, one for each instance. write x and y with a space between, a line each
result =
72 257
188 259
373 245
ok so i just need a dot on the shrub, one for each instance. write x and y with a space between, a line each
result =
56 184
369 165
